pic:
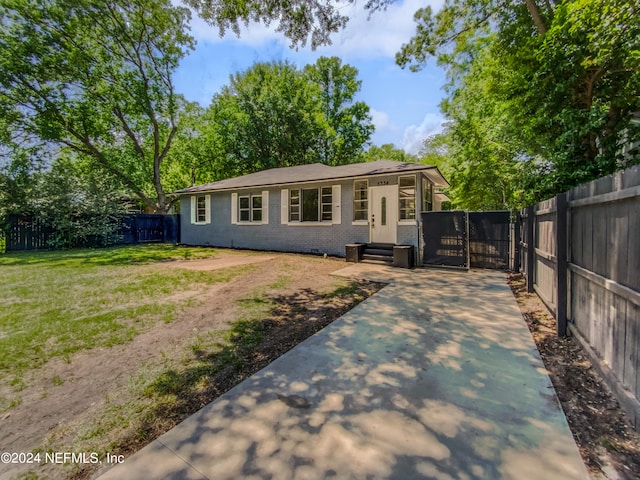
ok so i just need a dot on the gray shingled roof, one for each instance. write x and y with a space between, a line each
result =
317 172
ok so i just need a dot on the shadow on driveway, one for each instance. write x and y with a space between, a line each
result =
435 376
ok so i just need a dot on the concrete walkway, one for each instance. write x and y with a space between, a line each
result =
435 376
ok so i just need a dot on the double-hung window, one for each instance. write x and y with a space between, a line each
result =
244 208
250 208
201 209
407 197
360 200
256 208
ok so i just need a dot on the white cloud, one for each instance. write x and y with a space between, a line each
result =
254 35
381 120
381 34
414 135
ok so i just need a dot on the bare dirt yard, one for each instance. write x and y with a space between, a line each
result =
116 399
609 445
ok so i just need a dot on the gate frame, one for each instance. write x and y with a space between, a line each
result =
465 235
513 232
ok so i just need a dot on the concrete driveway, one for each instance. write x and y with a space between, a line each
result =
435 376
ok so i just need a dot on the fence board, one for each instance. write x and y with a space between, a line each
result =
599 252
630 178
587 256
617 241
631 374
633 254
619 333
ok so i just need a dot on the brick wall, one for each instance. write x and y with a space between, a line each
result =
303 238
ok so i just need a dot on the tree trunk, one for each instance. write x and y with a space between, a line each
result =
535 15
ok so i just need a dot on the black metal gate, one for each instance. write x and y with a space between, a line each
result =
489 239
445 239
467 239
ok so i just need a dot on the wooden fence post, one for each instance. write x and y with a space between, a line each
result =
515 243
531 218
134 229
561 265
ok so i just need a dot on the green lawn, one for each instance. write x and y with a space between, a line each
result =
54 304
57 303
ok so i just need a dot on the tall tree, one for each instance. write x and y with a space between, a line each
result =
95 77
559 82
388 151
275 115
268 116
196 151
350 122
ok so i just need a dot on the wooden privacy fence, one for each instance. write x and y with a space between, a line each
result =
30 233
580 252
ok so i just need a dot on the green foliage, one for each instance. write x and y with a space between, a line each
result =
274 115
540 94
196 150
301 21
388 151
349 121
82 206
95 77
268 117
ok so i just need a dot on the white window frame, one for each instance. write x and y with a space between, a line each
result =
256 211
194 209
410 221
363 201
297 205
326 204
291 210
247 209
427 200
237 211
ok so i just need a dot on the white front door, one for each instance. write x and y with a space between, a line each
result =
383 214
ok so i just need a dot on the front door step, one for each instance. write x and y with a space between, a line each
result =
381 253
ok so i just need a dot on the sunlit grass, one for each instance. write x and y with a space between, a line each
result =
160 393
57 303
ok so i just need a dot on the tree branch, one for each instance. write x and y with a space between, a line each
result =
534 11
136 145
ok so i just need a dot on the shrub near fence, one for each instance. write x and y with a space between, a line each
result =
29 233
580 252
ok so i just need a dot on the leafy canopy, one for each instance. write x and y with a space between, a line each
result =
541 94
95 77
275 115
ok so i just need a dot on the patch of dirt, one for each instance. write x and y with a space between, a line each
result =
609 445
219 261
61 398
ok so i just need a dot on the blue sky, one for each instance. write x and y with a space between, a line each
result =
404 105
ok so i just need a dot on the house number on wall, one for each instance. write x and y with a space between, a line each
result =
383 182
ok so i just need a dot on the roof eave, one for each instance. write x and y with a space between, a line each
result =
203 189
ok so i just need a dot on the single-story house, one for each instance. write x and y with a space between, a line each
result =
313 208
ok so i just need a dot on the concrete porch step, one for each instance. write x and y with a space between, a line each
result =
370 258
